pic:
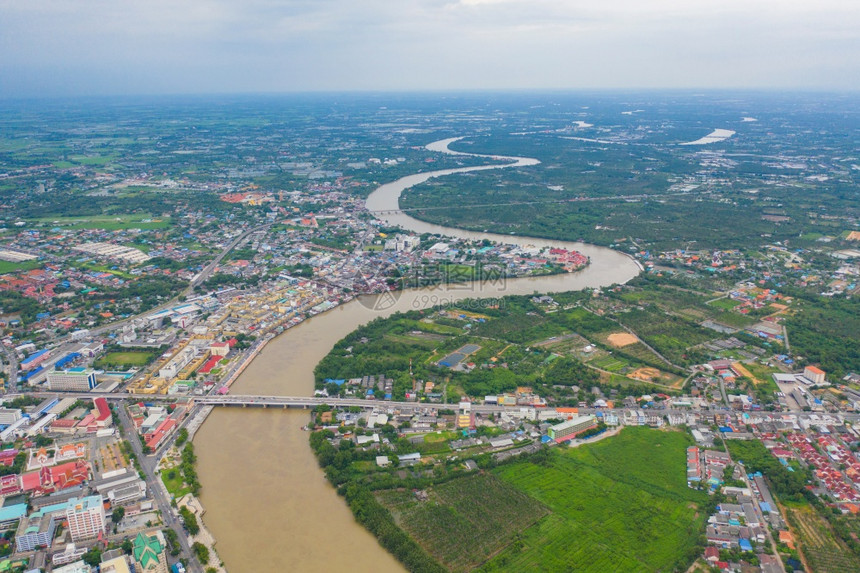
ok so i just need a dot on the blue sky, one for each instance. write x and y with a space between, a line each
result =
74 47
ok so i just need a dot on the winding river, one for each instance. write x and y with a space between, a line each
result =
268 503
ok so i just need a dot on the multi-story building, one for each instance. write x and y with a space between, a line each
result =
86 518
814 374
149 554
9 416
35 531
74 379
569 429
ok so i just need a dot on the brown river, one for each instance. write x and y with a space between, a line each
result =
267 502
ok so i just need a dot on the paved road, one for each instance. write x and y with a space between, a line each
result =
210 268
723 392
147 464
311 401
759 513
12 371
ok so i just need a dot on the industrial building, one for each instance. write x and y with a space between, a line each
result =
814 374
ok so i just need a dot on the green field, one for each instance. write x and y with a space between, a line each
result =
175 485
10 267
621 504
724 303
108 223
131 358
90 160
610 363
464 521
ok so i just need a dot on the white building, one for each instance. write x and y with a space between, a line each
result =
69 555
177 363
814 374
76 567
73 380
15 429
9 416
86 518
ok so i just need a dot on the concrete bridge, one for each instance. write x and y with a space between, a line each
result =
309 402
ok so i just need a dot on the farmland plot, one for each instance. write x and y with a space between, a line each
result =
618 505
824 552
464 521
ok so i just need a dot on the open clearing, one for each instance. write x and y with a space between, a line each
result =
621 339
742 370
109 223
595 493
647 374
137 359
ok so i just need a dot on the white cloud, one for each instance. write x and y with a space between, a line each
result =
232 45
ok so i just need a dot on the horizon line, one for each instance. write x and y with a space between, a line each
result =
440 91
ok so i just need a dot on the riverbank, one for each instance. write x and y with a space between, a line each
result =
251 461
169 465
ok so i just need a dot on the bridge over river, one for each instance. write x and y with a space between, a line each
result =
309 402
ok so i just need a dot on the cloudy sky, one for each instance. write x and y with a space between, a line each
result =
73 47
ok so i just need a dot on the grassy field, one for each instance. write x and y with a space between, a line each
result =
724 303
175 486
668 334
464 521
763 374
10 267
818 543
109 223
105 269
610 363
621 504
437 437
91 160
132 358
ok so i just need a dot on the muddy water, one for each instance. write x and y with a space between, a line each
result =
268 503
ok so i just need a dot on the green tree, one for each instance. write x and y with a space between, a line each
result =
92 557
189 520
201 551
181 437
117 515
